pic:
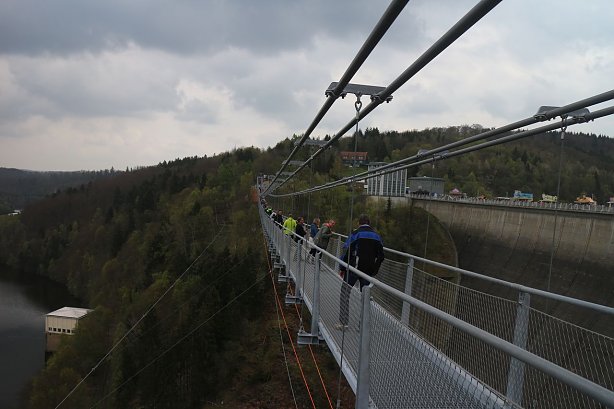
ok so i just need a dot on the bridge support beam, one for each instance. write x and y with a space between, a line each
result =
515 377
364 356
409 278
314 337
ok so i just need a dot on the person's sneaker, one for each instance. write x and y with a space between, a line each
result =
340 326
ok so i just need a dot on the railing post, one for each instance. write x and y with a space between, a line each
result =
409 278
313 338
337 253
297 298
515 377
364 355
288 260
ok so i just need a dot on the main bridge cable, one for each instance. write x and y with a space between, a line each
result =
392 167
382 26
569 121
510 138
464 24
605 96
140 319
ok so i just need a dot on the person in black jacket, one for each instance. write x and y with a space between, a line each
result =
279 218
300 230
365 251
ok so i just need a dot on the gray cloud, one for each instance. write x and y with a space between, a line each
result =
63 27
91 79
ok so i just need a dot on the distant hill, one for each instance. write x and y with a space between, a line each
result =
18 187
120 241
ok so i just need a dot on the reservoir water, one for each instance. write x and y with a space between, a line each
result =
23 305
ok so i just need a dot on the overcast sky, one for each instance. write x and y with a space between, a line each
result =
115 83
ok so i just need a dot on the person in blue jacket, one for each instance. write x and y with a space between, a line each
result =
365 251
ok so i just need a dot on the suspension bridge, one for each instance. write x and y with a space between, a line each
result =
418 341
415 340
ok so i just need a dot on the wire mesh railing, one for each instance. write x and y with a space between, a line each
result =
419 359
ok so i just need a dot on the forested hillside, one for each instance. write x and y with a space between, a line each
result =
21 187
529 165
120 242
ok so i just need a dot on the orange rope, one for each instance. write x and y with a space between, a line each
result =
298 361
318 369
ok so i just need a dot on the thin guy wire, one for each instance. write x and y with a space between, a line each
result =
298 360
172 314
428 214
558 193
357 106
181 340
141 319
281 337
318 367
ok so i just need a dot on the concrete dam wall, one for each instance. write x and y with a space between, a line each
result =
514 244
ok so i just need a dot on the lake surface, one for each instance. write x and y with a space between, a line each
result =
23 306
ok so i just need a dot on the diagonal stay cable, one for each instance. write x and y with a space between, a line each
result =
547 128
464 24
141 319
596 99
382 26
203 288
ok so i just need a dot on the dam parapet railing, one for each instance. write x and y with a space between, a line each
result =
551 206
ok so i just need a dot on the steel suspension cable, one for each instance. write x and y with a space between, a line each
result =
464 24
173 314
141 319
596 99
382 26
523 134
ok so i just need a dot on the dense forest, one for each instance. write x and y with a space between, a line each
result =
21 187
529 165
120 242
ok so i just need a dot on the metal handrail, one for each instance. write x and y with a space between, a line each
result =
546 294
595 391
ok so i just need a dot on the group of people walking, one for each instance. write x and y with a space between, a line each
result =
316 233
363 250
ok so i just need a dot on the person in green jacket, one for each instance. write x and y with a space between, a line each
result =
289 225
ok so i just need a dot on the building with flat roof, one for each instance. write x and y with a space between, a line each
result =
390 184
349 158
62 322
426 185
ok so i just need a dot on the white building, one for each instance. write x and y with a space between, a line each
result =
389 184
426 185
61 322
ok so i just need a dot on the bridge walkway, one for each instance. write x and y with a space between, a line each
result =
400 352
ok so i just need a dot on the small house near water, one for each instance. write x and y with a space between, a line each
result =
61 322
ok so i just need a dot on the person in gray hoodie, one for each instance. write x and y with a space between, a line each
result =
323 236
